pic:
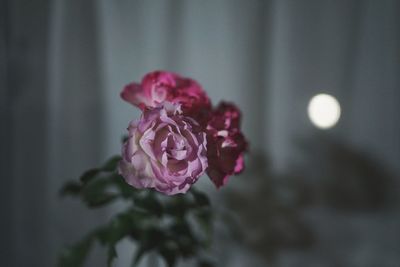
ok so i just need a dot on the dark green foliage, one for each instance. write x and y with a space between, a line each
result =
200 198
205 263
75 255
157 223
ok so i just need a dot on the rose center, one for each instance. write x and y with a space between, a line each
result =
176 148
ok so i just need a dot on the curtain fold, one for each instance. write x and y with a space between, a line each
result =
23 134
76 125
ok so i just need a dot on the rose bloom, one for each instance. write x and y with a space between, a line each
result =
159 86
165 151
226 144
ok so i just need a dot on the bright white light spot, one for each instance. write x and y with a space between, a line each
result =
324 111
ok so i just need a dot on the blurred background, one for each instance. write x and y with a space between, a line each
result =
322 181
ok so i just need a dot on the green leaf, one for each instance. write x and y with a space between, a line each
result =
71 188
138 256
182 234
96 193
101 200
151 237
169 251
177 206
111 164
122 225
205 263
112 254
151 204
102 235
200 198
204 219
89 175
126 190
74 256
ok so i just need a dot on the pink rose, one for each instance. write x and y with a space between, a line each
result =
226 144
165 151
159 86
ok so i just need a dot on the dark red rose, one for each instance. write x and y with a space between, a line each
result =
226 144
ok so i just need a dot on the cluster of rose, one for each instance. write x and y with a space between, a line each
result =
179 137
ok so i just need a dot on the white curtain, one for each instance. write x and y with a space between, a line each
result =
269 57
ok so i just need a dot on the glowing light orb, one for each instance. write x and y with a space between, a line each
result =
324 111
